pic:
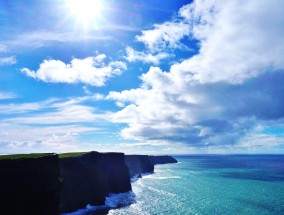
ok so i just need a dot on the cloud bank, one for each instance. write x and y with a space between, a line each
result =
228 94
49 125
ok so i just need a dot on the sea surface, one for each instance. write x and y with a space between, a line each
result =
211 184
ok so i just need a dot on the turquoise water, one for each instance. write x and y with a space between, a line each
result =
211 185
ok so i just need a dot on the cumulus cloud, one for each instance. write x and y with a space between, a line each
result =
91 71
238 39
159 42
199 115
133 55
219 96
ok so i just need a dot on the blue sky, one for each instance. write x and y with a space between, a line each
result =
148 77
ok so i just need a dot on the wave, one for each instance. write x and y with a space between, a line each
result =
120 199
160 191
169 177
112 201
136 177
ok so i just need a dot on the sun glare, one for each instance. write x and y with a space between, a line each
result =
85 10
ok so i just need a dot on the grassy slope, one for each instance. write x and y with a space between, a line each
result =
36 155
19 156
71 154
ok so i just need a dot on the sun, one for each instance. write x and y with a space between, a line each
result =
85 11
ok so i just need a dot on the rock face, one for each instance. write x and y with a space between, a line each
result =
138 164
30 186
89 178
164 159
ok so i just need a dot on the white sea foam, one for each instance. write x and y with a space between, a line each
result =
162 178
112 201
136 176
163 192
120 199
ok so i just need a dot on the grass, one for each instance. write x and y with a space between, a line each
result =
20 156
36 155
71 154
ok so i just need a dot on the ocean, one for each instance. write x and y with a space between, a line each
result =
211 184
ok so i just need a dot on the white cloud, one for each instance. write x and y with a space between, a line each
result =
13 108
132 56
257 140
45 138
8 60
7 95
86 90
91 70
164 35
50 125
52 111
238 39
39 38
3 48
198 101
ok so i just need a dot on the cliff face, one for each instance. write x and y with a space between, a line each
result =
30 186
90 177
162 159
138 164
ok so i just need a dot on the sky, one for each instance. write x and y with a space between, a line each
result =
144 77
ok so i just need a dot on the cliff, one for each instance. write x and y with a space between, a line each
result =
163 159
44 184
90 177
138 164
30 184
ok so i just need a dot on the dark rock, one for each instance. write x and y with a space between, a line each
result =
90 177
30 186
138 164
163 159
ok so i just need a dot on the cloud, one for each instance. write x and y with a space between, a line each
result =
203 115
7 95
91 71
3 48
50 125
40 38
255 141
8 60
51 111
45 139
238 40
132 56
218 97
166 35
